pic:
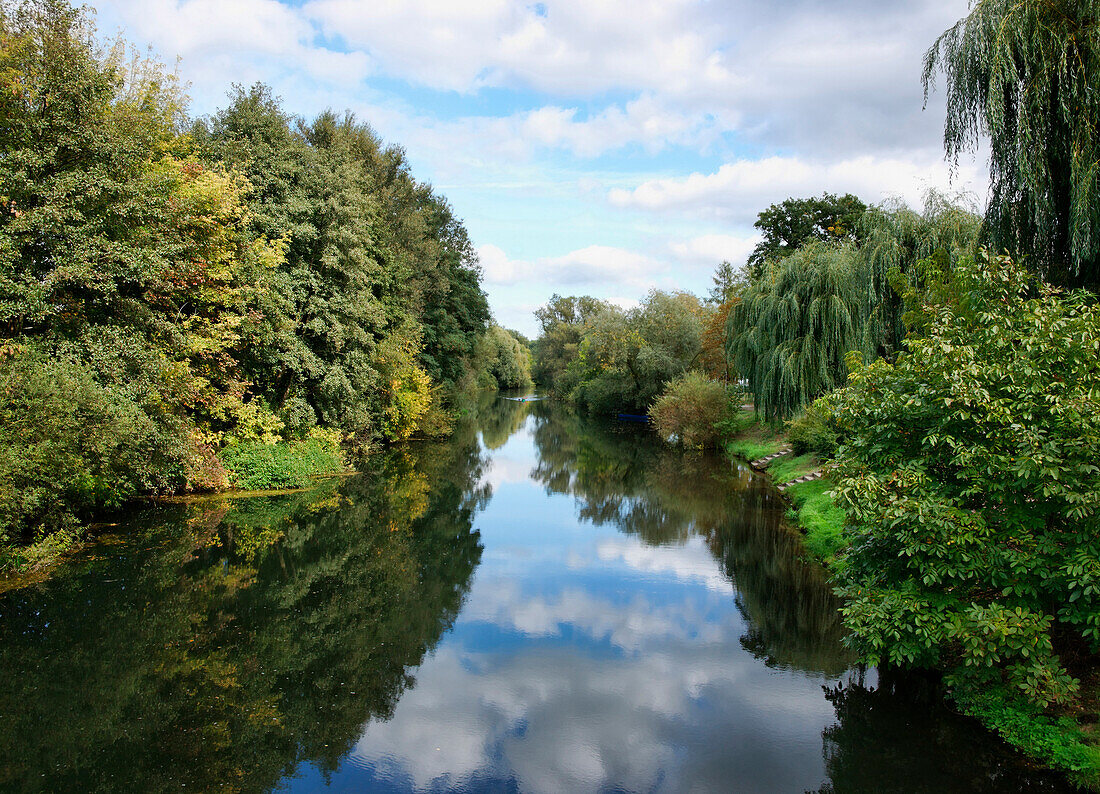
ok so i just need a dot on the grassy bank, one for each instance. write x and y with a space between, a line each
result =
811 510
246 467
1069 740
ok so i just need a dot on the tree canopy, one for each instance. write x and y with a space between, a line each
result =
248 278
1027 74
787 226
791 331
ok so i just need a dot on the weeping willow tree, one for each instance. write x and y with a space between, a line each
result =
1027 74
894 238
792 329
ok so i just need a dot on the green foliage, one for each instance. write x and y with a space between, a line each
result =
790 333
689 411
251 281
1059 742
819 517
736 423
813 432
504 359
968 476
255 466
379 281
728 284
894 239
624 358
791 224
1026 73
563 322
70 444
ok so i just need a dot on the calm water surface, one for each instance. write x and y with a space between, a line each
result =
542 603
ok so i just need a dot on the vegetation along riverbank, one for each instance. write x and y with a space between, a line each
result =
250 300
246 300
938 369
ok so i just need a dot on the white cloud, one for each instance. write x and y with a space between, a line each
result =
594 264
740 189
837 79
709 249
504 470
222 42
577 47
558 718
690 561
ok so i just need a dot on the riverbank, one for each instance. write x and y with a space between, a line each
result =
253 468
1067 739
768 449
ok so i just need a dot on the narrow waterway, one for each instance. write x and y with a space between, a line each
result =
542 603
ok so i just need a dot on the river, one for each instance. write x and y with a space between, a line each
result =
542 603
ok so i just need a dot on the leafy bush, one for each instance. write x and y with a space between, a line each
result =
1059 742
690 409
968 475
254 465
70 444
811 432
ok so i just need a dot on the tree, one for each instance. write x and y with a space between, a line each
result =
968 475
728 283
1027 74
504 360
894 239
787 226
241 283
791 331
562 321
624 359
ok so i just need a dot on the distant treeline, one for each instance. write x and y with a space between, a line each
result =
825 279
201 303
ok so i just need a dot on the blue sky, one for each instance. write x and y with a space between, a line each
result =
595 147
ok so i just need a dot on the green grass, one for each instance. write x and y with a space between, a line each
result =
256 466
1056 741
753 449
745 437
790 468
819 518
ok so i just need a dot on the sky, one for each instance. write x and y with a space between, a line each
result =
595 147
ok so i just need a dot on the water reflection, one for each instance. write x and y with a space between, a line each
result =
244 638
894 733
623 476
543 604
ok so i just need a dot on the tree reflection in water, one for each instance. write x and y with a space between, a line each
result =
623 475
897 735
238 639
228 645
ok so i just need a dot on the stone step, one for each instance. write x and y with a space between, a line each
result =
815 475
756 464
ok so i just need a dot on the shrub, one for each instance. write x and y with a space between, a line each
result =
254 465
968 476
811 432
70 445
689 410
